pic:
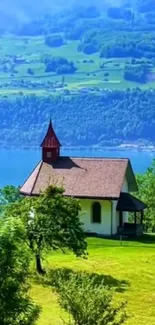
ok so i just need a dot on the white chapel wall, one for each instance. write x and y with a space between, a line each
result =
103 228
125 187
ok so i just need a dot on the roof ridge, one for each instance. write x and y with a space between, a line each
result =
125 175
41 163
33 170
96 158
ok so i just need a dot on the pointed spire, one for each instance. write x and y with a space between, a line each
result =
50 140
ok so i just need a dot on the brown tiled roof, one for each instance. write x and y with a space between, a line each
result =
50 140
82 177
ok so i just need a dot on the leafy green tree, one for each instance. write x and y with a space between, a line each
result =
115 12
8 194
66 69
137 73
30 71
90 303
146 5
16 307
59 65
54 41
146 192
51 222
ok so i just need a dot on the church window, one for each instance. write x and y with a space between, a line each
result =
49 154
96 212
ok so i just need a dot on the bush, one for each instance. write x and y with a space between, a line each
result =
136 73
115 13
16 307
30 71
59 65
66 69
54 41
89 302
89 48
146 5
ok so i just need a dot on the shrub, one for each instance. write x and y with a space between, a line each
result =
59 65
30 71
136 73
89 302
66 69
54 41
16 307
89 48
106 74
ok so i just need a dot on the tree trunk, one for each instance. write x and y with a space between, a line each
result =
38 265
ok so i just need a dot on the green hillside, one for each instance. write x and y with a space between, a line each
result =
70 53
110 48
24 69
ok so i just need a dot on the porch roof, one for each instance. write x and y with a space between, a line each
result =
129 203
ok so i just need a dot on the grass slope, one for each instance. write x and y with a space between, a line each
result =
129 268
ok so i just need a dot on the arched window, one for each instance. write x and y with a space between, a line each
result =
96 212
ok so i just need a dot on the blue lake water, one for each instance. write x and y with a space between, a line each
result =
16 165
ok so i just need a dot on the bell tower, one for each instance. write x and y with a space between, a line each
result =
50 146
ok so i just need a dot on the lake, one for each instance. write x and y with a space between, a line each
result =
16 165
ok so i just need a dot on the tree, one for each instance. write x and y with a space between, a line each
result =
54 41
89 302
8 194
59 65
115 12
146 192
16 307
137 73
51 222
63 80
66 69
30 71
146 5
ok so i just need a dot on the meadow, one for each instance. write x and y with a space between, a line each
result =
29 52
128 267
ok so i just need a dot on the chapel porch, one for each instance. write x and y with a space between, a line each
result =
127 203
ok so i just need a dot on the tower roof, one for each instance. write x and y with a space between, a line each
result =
50 140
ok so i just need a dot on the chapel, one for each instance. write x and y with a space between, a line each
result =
103 186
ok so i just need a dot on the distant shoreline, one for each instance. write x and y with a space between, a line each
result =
121 147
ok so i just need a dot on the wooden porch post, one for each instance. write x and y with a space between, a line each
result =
142 217
135 218
121 219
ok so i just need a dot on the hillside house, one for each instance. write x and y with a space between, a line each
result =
102 185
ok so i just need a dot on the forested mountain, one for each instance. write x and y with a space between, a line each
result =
88 65
22 11
107 119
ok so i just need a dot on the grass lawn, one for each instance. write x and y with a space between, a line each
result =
129 268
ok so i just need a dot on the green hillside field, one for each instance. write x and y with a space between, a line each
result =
29 52
128 268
